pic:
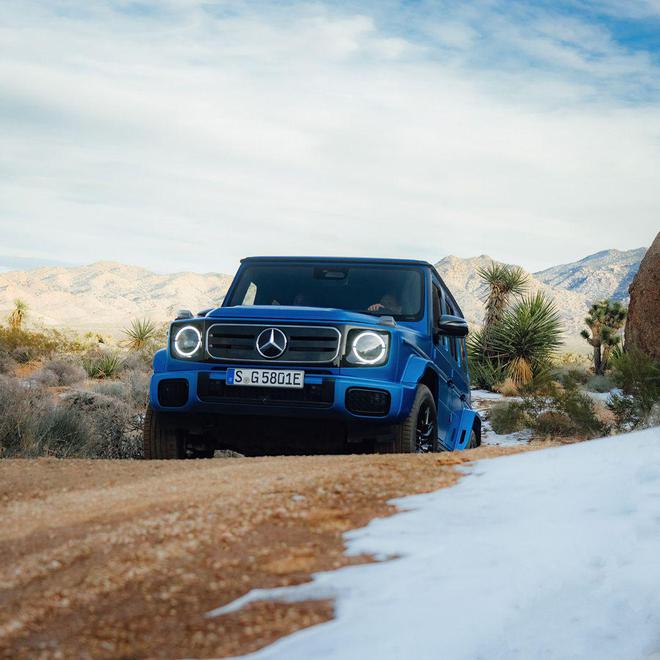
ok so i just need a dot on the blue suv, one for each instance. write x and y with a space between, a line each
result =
310 355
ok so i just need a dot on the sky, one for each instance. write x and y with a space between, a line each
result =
185 134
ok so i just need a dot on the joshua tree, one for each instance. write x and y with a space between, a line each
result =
141 334
605 319
503 282
18 314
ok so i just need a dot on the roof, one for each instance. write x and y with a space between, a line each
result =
360 260
334 260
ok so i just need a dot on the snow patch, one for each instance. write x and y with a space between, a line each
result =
550 554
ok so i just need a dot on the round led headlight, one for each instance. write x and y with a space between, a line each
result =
368 347
187 341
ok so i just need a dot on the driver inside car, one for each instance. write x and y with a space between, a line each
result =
388 303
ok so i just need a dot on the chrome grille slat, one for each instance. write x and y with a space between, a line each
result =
307 344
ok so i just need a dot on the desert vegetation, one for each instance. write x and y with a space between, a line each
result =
64 395
516 353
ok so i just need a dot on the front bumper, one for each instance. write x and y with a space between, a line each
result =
324 396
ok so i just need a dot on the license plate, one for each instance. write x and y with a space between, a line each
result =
266 377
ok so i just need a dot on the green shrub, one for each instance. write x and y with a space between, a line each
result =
572 375
507 418
567 410
554 423
520 345
599 384
102 364
638 375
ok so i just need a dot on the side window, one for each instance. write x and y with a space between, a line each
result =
464 362
436 297
453 341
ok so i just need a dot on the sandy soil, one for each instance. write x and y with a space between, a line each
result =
122 559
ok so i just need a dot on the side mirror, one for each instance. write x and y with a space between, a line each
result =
453 326
183 314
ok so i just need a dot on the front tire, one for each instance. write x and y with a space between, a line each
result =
419 431
161 441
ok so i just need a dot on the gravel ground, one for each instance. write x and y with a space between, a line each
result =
122 559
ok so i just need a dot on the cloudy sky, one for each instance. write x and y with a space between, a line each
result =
184 134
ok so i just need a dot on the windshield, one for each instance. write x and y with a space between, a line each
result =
380 290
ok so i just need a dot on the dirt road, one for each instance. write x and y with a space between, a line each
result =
122 559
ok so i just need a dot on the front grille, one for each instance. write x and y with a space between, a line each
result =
305 344
313 395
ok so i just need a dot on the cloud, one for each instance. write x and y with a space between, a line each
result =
183 135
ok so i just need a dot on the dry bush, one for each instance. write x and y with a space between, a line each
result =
67 371
507 387
80 424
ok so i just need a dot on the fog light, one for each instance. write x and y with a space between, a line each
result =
173 392
364 401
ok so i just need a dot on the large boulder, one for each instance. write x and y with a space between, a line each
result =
643 324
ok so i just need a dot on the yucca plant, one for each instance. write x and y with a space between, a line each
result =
102 365
18 314
524 341
141 334
604 321
503 282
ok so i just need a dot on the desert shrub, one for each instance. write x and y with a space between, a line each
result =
508 417
567 410
567 376
138 361
599 384
507 388
638 375
484 373
84 424
114 432
45 377
102 364
7 363
520 345
554 423
29 343
67 371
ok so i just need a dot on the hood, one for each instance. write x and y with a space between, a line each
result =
281 313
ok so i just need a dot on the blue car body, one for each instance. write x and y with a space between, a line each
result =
198 389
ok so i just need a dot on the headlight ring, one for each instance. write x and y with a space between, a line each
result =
187 341
368 348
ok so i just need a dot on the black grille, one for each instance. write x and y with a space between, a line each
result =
312 395
367 401
305 344
173 392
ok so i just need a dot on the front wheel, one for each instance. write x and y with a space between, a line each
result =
160 440
419 431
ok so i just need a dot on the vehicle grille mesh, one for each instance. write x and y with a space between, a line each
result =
305 344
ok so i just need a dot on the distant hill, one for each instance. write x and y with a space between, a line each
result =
606 274
573 286
105 296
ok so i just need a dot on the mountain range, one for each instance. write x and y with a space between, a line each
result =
106 296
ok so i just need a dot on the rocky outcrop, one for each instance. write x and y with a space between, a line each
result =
643 324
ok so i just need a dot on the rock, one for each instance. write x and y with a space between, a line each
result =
643 324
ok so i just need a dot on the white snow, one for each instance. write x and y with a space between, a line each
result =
482 402
547 554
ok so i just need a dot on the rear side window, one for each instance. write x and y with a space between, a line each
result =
452 341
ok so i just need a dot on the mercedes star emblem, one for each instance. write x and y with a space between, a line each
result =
271 343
